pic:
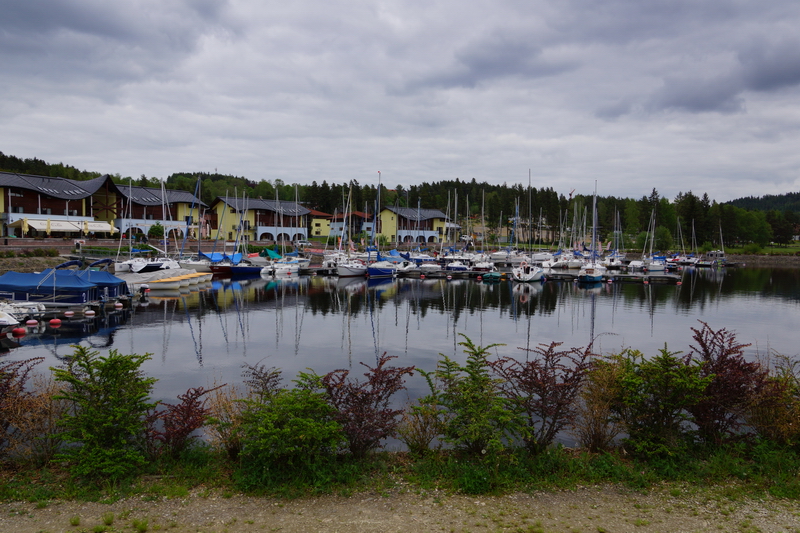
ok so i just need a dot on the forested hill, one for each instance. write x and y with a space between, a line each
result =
37 167
770 202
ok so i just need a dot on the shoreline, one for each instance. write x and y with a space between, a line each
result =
37 264
779 261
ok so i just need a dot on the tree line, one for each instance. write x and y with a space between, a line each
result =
688 221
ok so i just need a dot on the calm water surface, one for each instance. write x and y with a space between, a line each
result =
204 337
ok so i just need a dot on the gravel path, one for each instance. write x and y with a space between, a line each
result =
594 509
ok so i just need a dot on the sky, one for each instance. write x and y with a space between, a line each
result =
679 95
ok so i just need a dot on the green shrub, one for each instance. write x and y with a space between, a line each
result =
109 397
476 417
752 248
596 427
292 436
774 411
655 396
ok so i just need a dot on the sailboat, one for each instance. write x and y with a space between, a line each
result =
349 267
593 270
527 272
714 258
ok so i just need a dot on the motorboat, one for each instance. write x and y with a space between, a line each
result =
381 269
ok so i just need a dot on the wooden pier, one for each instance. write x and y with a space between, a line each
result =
619 277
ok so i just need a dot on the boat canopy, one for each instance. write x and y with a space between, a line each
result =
266 252
216 257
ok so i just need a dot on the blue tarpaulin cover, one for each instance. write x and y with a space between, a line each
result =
100 278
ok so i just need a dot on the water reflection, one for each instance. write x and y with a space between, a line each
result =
296 323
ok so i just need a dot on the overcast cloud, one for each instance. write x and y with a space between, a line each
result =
678 95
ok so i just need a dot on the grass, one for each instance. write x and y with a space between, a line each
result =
729 475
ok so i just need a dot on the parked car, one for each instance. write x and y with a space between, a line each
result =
302 244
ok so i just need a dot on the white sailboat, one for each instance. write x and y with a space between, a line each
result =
349 267
527 272
593 270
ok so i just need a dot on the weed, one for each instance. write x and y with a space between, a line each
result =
225 420
75 521
140 525
108 518
13 377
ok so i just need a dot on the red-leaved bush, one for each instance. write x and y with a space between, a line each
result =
736 383
363 408
544 389
177 423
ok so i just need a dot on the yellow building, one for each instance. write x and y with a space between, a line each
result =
257 219
412 225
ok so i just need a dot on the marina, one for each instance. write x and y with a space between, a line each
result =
205 332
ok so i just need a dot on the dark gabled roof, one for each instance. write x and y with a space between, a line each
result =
67 189
152 196
291 209
62 188
412 213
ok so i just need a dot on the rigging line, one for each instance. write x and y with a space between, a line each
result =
219 314
239 313
191 331
409 304
528 335
370 304
298 320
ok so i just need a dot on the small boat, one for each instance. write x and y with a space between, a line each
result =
382 269
492 277
456 266
350 268
7 319
407 267
526 273
592 272
430 268
166 284
48 288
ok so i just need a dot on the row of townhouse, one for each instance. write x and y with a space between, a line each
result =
40 206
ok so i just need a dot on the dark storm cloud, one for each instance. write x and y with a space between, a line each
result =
697 95
767 67
68 40
501 54
623 22
761 67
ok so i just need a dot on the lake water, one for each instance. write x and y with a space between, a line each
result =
204 337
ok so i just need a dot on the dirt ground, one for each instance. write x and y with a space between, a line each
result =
590 509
